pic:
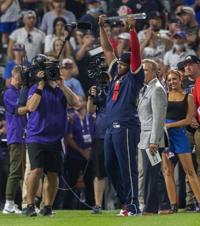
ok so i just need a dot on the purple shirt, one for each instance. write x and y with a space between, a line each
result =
46 124
80 130
15 123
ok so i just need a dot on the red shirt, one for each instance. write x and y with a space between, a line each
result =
196 94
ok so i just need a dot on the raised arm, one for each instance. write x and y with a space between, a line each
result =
72 98
34 101
135 46
4 5
105 44
91 107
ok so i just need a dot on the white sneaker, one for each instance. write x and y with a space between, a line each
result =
37 210
8 211
17 210
11 209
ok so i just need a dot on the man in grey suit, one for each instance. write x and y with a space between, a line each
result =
152 108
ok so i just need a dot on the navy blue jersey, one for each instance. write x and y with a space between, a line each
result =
122 109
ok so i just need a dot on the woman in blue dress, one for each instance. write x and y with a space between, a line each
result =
180 112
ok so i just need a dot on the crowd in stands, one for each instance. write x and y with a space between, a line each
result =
170 36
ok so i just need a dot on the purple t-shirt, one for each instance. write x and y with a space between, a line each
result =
46 125
82 132
15 123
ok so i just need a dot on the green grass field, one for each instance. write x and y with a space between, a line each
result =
108 218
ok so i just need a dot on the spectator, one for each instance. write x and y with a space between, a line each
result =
179 114
82 58
68 70
57 11
191 73
154 45
10 13
92 14
155 25
58 32
15 125
18 58
123 43
188 22
57 45
77 7
31 37
178 52
46 103
120 156
161 73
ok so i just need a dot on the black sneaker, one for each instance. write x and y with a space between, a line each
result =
46 211
191 208
30 211
96 210
174 208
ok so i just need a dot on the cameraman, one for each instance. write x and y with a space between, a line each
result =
96 103
47 103
123 127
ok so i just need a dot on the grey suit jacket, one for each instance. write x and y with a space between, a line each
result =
152 107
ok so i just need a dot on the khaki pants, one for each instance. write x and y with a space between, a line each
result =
15 176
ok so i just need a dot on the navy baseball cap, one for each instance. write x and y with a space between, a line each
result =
180 34
191 59
154 15
125 58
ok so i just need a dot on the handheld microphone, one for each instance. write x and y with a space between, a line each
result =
137 16
79 25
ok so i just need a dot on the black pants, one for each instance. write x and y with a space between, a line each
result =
73 169
155 196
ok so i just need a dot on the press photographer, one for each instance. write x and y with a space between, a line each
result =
97 72
47 103
96 103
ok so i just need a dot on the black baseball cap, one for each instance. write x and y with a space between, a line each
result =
125 58
154 15
191 59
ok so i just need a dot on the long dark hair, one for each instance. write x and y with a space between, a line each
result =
58 19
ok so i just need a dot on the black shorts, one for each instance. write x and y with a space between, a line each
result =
46 156
98 158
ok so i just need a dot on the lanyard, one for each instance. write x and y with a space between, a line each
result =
84 131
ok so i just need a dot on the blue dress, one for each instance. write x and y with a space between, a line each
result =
178 139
